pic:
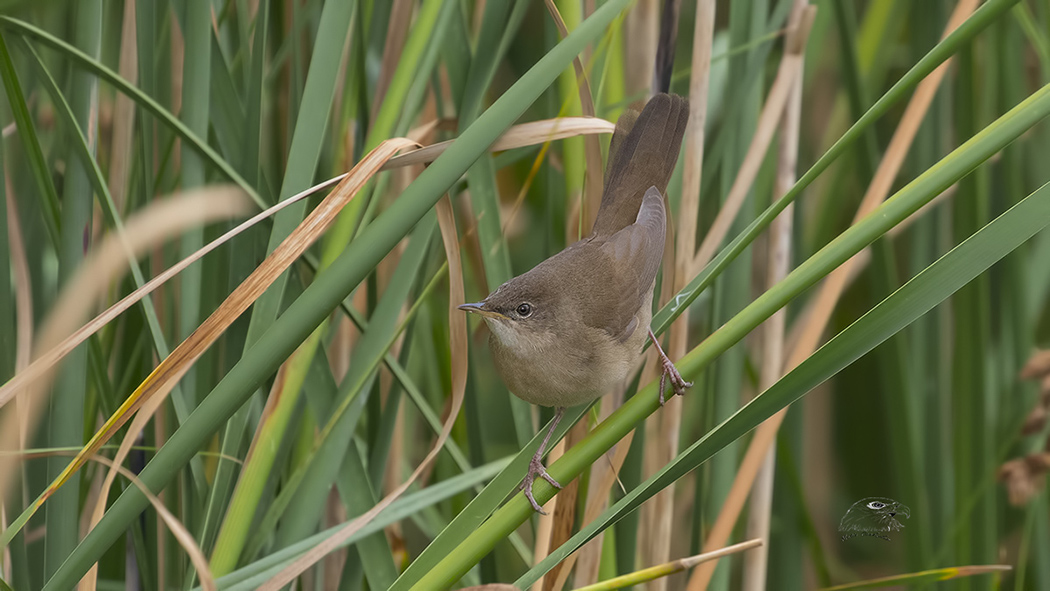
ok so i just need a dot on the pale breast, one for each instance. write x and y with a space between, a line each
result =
551 371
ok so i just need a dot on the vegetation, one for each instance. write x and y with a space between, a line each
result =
196 396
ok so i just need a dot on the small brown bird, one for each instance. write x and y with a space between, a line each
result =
569 330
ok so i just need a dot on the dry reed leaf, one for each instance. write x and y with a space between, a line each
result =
878 190
592 187
652 460
153 225
564 517
661 571
757 458
979 569
660 450
862 258
155 388
692 162
45 361
789 70
603 477
425 130
458 345
695 560
658 514
171 369
182 535
518 136
23 306
545 522
959 571
778 263
816 321
641 36
166 219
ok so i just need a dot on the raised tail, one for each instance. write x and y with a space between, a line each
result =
642 154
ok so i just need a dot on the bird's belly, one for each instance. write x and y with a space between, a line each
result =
556 373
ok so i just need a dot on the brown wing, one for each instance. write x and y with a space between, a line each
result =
633 256
642 155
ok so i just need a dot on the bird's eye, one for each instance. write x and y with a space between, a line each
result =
524 310
876 505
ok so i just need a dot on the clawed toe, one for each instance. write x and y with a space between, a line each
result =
670 373
548 478
663 380
678 384
532 500
536 469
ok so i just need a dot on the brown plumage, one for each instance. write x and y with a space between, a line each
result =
602 287
642 154
570 329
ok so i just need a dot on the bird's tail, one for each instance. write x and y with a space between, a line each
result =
642 154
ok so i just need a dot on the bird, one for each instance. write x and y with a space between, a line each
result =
570 329
872 516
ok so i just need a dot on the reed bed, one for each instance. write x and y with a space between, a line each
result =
230 354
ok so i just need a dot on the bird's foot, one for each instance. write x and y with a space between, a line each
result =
670 373
536 469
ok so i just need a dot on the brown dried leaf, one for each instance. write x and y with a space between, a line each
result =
1035 421
458 344
23 304
816 321
564 517
152 392
45 361
1037 366
1024 477
181 533
153 225
592 150
519 136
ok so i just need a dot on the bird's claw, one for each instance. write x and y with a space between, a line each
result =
678 384
536 469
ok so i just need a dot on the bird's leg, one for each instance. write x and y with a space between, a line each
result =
536 465
670 372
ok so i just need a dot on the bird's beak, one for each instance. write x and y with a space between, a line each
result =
479 308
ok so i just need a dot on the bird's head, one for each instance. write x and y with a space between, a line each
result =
522 312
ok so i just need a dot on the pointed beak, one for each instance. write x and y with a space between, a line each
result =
479 308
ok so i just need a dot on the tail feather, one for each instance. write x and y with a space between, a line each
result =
624 125
643 154
666 45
